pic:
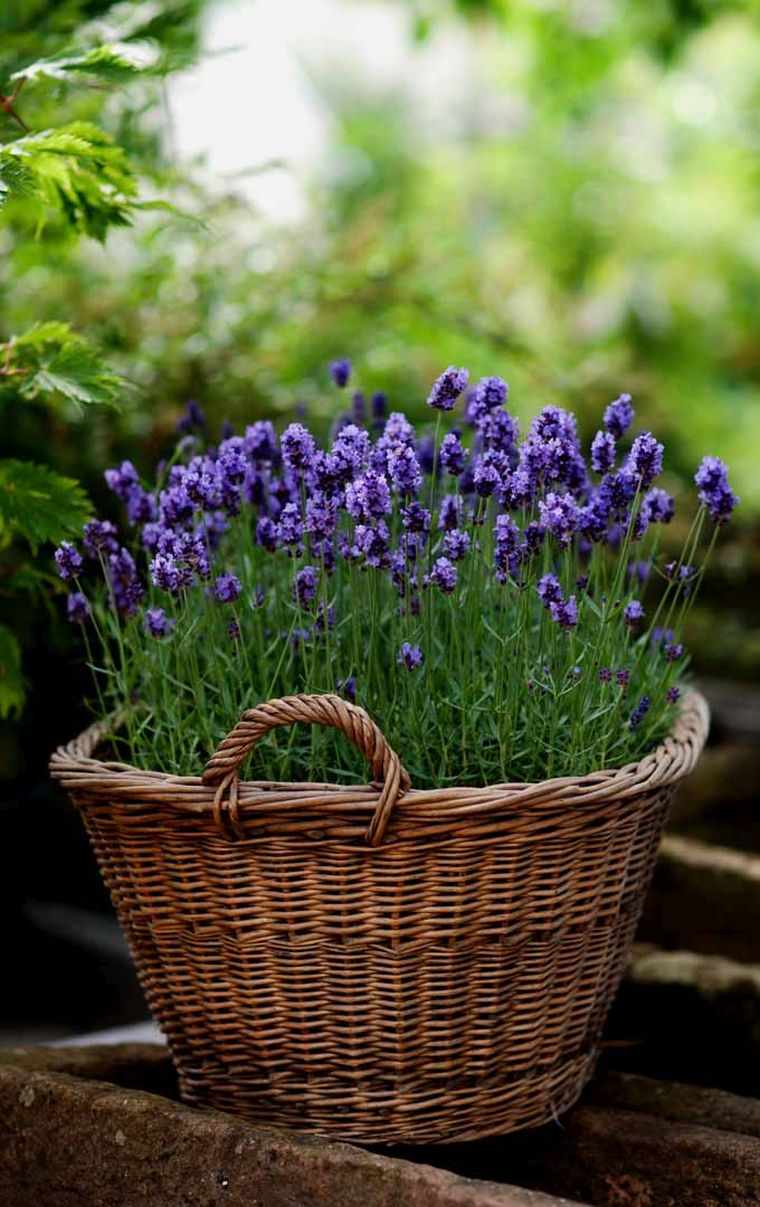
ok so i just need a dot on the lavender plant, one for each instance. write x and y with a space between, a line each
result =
498 605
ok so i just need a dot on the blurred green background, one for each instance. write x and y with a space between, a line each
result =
563 192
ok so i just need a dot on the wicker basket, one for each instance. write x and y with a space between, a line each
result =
441 975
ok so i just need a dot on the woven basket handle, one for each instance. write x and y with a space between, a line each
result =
222 768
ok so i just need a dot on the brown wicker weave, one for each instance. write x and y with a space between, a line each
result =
378 963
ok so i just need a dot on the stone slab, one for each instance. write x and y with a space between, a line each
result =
68 1140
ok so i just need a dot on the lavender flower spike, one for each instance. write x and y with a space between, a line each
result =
77 608
714 491
340 371
633 613
645 459
297 446
410 656
227 588
565 612
602 452
639 712
305 586
618 416
68 561
157 623
444 575
447 388
549 590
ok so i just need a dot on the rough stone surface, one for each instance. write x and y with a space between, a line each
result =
68 1138
705 898
689 1017
66 1141
678 1102
620 1158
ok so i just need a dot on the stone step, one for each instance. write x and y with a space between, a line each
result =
95 1126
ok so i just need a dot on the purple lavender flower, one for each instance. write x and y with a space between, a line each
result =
410 656
415 517
426 455
260 441
266 533
68 561
673 650
447 388
398 430
305 586
121 480
290 526
450 512
192 418
673 695
233 630
623 678
340 371
499 431
77 608
506 555
202 483
456 544
368 497
379 405
358 409
452 455
373 541
350 451
560 516
444 575
347 688
565 612
321 516
633 613
605 674
126 588
618 416
298 447
166 574
549 590
486 478
157 623
232 460
141 506
175 505
644 462
660 636
99 536
638 570
227 588
714 490
490 392
404 471
660 507
616 491
639 712
602 452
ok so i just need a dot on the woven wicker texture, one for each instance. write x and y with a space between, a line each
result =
378 963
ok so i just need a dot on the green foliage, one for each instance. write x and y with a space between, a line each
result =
73 153
38 504
105 63
76 171
11 677
52 360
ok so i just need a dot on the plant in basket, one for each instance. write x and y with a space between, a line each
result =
430 955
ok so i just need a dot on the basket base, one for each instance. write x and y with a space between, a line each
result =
409 1115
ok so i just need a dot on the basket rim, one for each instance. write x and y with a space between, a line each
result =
74 766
